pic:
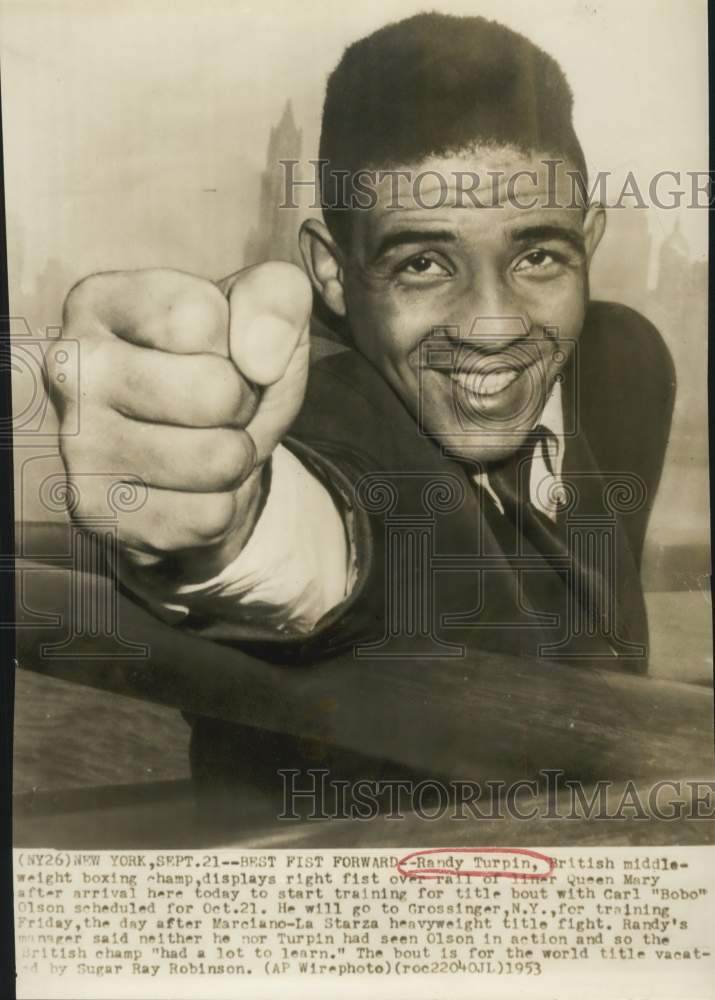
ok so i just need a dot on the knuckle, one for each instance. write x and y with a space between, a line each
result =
153 529
82 297
73 452
230 459
227 397
84 504
216 518
197 318
96 363
134 539
61 368
86 451
59 382
160 539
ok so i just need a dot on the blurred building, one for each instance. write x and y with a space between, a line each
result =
680 311
275 235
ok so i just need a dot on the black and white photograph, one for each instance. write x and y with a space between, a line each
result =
359 438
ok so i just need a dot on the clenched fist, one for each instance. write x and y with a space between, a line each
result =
186 386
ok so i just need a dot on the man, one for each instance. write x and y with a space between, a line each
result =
291 509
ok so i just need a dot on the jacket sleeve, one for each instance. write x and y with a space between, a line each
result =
339 437
627 393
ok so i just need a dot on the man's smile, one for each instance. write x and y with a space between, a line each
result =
497 386
487 383
499 391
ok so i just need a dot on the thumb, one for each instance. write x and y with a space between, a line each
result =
269 314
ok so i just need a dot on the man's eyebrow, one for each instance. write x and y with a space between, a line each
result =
531 233
403 237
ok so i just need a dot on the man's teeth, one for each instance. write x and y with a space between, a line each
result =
486 383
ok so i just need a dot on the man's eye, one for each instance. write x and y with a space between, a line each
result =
536 259
424 266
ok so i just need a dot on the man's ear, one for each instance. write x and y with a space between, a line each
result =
323 262
594 226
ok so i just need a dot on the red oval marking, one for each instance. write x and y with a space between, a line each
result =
437 872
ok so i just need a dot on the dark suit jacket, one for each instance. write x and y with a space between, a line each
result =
432 577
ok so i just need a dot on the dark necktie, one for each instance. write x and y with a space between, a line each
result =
523 528
511 480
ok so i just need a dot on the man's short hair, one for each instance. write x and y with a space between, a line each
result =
435 84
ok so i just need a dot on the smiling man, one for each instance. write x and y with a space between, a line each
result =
491 280
470 460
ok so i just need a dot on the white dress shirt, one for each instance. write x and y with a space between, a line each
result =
547 460
298 564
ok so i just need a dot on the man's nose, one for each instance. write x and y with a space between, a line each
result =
494 317
497 332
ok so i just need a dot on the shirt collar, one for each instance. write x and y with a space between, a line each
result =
552 416
552 420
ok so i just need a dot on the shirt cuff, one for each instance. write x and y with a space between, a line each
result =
296 566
